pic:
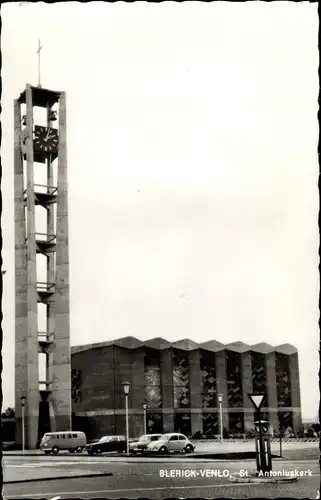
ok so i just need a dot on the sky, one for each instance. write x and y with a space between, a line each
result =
192 168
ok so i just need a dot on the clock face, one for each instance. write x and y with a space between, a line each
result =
46 139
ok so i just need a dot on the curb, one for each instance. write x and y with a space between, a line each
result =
257 480
159 458
217 442
38 479
10 454
249 440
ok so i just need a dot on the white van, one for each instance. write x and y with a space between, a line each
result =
53 442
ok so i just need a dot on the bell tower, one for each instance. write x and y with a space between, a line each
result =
42 337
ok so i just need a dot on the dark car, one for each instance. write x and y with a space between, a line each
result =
107 443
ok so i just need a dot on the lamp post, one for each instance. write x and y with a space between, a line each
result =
22 399
144 408
280 438
126 386
220 401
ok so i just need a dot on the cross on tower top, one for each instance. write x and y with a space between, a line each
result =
38 52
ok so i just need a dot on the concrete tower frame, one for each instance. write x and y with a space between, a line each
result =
55 391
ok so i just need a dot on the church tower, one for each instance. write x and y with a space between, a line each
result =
42 353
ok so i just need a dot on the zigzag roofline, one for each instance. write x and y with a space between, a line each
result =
158 343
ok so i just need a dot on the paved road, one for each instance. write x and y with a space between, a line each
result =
133 479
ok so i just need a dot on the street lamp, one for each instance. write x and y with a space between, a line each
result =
126 386
22 399
220 401
144 408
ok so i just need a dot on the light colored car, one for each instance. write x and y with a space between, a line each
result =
171 442
53 442
141 445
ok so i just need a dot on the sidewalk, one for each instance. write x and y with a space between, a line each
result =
84 458
20 454
208 448
212 443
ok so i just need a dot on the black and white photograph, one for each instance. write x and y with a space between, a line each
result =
160 281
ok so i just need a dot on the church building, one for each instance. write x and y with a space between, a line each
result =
181 384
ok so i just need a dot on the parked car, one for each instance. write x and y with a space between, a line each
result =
171 442
107 443
141 445
53 442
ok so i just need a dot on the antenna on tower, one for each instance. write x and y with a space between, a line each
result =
38 52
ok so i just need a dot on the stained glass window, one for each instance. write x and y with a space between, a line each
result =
234 379
236 423
283 385
154 423
210 424
153 392
208 371
181 379
285 420
259 378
